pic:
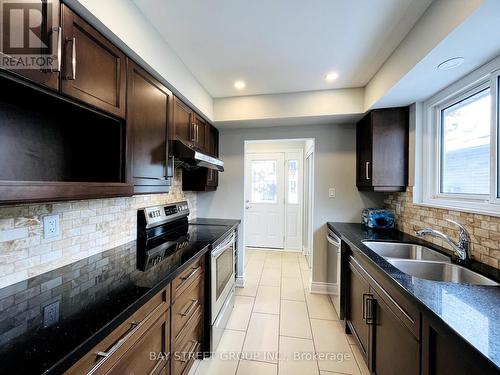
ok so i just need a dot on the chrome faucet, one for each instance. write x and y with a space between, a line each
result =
460 249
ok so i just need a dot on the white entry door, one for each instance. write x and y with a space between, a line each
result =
265 200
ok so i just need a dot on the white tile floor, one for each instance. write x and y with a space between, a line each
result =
275 313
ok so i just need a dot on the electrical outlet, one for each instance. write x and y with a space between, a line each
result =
51 314
398 208
51 226
331 193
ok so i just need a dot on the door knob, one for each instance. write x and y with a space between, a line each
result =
247 207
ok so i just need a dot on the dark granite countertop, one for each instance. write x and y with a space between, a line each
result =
92 297
472 311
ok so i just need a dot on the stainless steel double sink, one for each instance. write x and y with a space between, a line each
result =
425 263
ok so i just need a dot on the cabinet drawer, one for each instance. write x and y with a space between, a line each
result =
184 352
187 306
185 279
122 338
149 354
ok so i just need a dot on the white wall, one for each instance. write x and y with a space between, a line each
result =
438 21
335 159
273 146
123 23
300 104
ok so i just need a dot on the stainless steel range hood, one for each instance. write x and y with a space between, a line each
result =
190 158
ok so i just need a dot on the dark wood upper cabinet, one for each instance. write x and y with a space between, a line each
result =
43 158
199 130
182 122
204 179
147 123
93 69
48 33
191 128
212 141
382 150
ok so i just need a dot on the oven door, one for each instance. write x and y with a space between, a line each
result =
222 274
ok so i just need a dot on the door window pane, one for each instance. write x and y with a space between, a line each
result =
465 148
264 181
293 193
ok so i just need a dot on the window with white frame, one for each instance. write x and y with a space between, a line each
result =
459 143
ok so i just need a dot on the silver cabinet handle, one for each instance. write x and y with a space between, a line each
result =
104 355
367 170
223 246
59 48
72 77
332 241
189 351
194 303
193 132
194 270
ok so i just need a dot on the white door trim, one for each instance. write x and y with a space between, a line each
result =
288 154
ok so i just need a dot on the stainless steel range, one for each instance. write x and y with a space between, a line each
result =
165 234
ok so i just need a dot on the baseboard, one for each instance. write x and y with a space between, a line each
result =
240 282
324 288
270 249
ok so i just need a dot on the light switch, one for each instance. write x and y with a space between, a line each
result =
331 193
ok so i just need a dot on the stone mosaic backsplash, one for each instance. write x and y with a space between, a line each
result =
87 227
484 230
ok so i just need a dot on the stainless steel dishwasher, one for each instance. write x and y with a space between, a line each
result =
333 270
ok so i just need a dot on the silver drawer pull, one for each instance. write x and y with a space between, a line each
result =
104 355
190 351
194 269
194 303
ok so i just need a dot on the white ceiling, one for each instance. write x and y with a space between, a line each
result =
477 40
279 46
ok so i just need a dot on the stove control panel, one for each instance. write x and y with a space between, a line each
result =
163 214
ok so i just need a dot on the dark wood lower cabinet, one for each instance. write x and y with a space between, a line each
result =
148 354
443 353
395 350
184 351
187 317
164 336
358 290
388 346
394 335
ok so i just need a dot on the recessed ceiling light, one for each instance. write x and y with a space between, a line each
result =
331 76
451 63
240 85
